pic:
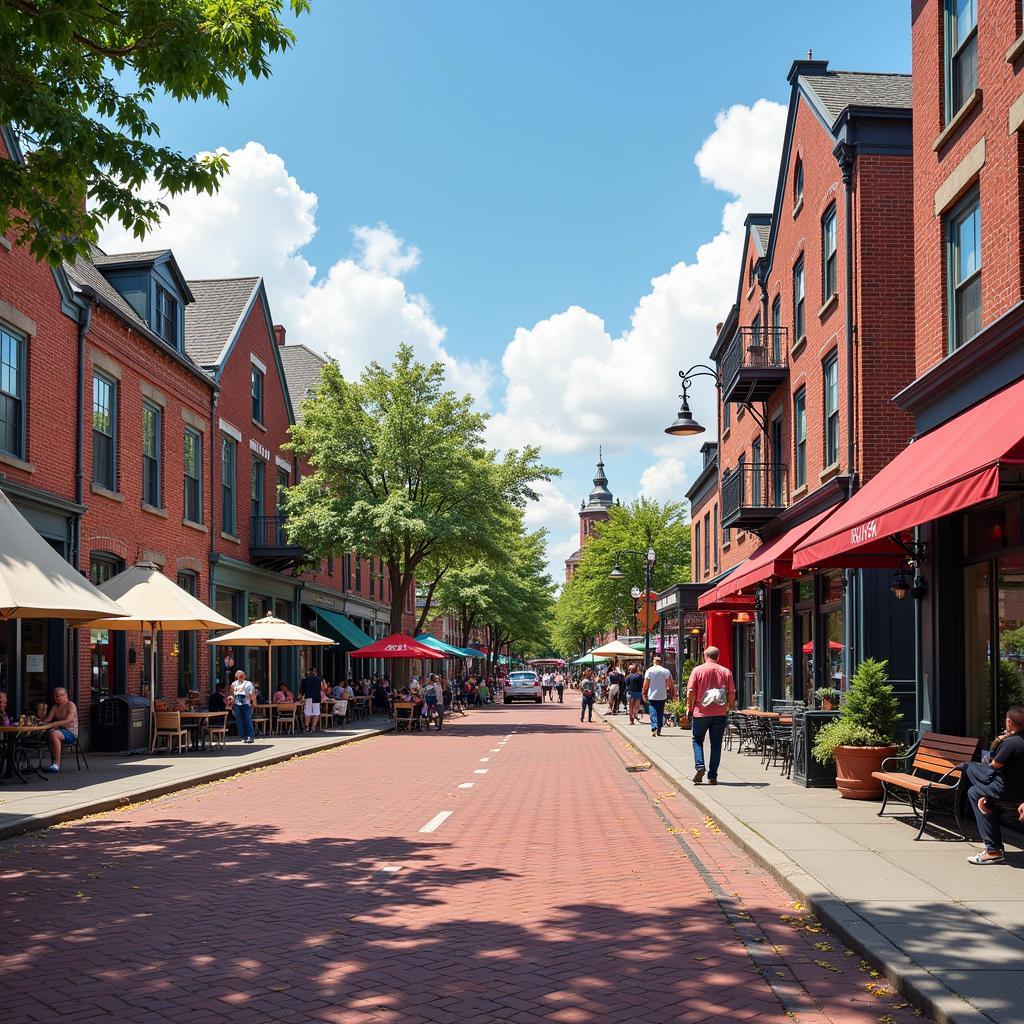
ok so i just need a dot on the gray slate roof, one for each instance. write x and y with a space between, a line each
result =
302 368
103 259
837 90
211 319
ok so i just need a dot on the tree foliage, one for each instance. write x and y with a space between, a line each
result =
401 472
592 598
79 78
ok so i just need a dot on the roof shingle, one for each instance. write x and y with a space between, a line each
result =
211 319
837 90
302 369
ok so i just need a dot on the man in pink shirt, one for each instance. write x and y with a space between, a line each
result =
710 696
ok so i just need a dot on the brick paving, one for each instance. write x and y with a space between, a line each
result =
562 888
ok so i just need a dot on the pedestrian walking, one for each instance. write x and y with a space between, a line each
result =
560 685
311 688
634 684
587 692
1001 779
433 701
710 696
547 683
615 681
658 688
242 692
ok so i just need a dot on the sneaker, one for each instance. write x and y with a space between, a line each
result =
53 768
698 776
712 782
984 858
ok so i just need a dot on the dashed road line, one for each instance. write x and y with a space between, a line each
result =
436 821
483 760
465 785
479 771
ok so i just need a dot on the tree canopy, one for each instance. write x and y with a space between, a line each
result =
79 77
400 471
591 601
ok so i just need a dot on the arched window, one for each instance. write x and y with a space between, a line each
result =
798 182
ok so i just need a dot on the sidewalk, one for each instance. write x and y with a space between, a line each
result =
114 780
950 934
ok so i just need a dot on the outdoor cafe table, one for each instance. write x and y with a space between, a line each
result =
11 736
272 709
195 722
757 713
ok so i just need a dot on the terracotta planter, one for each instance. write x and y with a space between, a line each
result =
826 705
684 722
854 766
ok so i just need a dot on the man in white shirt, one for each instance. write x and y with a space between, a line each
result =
658 688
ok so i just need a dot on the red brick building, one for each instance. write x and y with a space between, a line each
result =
946 514
819 339
593 511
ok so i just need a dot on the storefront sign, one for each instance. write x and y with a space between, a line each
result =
323 600
668 601
263 453
693 620
863 533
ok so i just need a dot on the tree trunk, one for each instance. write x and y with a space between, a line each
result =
400 583
422 620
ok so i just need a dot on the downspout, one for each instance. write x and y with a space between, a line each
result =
84 323
212 555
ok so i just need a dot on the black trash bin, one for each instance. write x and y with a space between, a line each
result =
120 724
806 771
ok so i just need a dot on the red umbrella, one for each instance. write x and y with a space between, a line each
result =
398 645
808 647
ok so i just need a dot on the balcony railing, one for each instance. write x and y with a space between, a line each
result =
755 364
753 494
269 545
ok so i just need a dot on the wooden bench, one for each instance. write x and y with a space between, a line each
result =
932 774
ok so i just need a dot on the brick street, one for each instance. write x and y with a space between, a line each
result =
562 887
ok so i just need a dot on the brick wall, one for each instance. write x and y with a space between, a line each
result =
1002 199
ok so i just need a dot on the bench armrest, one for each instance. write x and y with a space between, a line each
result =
889 763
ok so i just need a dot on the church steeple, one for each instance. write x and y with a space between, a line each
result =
600 499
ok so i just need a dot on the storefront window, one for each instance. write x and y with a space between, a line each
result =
784 639
35 670
227 603
103 643
256 657
832 621
1010 609
977 647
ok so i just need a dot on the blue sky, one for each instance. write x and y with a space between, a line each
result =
511 162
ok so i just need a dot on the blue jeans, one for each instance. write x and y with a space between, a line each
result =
699 728
979 779
587 708
656 709
243 720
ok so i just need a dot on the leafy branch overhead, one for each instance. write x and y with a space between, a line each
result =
79 78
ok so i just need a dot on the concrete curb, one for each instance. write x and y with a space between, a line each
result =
38 822
918 985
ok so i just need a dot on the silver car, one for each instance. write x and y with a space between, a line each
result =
522 686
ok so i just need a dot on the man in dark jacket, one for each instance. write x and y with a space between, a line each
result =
1001 779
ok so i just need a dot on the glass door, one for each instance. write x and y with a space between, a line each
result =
1010 625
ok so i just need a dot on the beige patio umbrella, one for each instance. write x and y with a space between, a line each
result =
151 601
273 632
614 649
36 583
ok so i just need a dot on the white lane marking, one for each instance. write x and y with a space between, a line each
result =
436 821
480 771
465 785
389 869
484 760
495 750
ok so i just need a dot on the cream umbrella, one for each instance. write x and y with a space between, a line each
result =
151 601
273 632
36 583
614 649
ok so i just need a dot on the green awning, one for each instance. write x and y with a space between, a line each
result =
440 645
342 628
589 659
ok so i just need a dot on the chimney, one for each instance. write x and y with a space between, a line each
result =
279 333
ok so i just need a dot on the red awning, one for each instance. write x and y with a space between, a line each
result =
944 471
772 559
398 645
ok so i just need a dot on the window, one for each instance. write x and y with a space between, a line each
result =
187 642
755 473
777 330
696 550
964 271
104 432
961 54
167 316
257 394
726 416
828 255
778 479
726 532
151 442
707 544
798 299
330 565
193 475
359 573
751 273
798 182
831 381
800 437
12 393
714 539
228 484
257 489
741 468
373 576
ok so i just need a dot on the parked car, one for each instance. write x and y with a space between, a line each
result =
522 686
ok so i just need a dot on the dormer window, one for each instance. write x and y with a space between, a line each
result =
166 324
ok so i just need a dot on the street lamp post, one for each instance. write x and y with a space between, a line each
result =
649 558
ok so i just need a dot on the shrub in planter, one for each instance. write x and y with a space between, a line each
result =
678 708
684 673
862 737
827 698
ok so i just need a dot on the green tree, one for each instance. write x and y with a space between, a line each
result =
467 592
79 79
572 628
641 524
401 472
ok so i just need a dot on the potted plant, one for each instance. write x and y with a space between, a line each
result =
827 698
678 708
862 737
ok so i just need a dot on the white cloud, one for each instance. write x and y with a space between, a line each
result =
559 516
570 385
258 224
665 480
